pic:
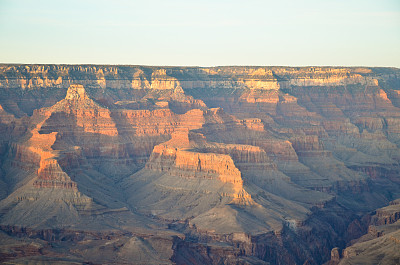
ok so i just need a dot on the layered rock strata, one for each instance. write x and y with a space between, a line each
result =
198 165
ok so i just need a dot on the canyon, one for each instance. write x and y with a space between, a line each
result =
199 165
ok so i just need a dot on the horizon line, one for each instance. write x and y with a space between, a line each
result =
198 66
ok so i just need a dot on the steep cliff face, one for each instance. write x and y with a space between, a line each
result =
87 114
381 242
201 179
193 165
387 215
175 158
44 166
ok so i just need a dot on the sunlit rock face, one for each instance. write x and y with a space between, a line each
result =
378 243
193 165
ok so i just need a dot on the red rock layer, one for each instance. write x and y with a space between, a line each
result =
176 158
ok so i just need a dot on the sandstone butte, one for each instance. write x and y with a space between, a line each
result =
190 165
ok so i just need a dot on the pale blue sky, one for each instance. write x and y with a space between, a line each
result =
202 32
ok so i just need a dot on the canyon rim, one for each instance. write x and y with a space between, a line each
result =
131 164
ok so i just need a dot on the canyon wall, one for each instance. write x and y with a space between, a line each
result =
190 165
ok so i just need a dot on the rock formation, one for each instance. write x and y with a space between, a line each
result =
381 244
190 165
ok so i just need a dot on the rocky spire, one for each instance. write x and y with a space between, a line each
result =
76 92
